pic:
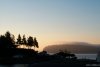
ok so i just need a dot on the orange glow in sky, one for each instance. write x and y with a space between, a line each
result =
52 21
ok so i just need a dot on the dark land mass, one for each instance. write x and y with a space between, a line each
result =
77 47
37 59
11 54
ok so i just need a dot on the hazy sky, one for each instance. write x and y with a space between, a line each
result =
52 21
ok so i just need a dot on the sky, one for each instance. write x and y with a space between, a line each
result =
52 21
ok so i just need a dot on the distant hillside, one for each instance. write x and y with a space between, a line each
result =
76 47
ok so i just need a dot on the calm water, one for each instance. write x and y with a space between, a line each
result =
86 56
16 65
79 56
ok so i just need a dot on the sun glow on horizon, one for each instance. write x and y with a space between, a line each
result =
52 21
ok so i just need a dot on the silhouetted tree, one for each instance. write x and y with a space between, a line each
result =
6 41
8 47
13 37
24 40
35 43
19 39
9 40
30 41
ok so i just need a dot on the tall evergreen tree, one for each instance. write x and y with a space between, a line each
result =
10 40
30 41
24 40
13 37
36 43
19 39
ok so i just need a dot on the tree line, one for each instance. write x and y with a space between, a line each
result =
8 41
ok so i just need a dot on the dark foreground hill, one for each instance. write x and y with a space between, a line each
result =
76 47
